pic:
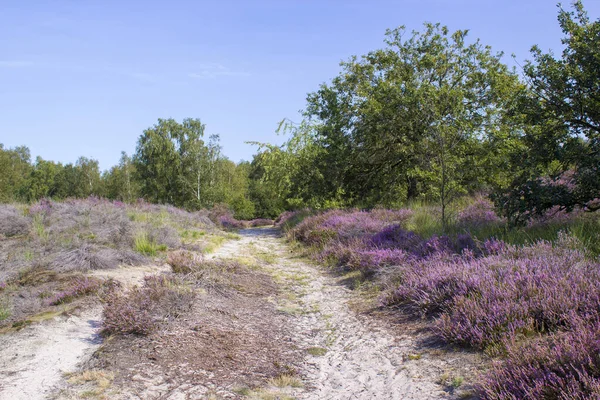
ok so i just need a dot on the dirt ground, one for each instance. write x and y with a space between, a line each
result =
279 328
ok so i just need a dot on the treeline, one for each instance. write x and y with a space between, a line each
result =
172 164
433 116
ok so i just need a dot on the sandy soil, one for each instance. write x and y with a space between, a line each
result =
362 359
34 359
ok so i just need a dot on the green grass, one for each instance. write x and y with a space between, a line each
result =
39 228
316 351
426 222
5 308
212 244
145 246
192 234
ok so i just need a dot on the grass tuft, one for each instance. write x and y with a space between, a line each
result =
144 245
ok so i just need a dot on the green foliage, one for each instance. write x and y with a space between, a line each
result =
5 308
289 174
15 167
417 119
174 165
120 181
560 121
432 116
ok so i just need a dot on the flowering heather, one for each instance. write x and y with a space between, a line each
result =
480 212
560 366
521 291
368 240
44 207
77 288
337 225
555 215
395 237
285 217
536 307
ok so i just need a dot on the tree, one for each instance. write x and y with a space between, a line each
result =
294 170
120 180
167 161
15 166
413 119
561 125
89 177
41 181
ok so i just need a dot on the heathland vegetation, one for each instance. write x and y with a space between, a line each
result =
458 190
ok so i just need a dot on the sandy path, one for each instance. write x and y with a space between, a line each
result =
33 360
363 361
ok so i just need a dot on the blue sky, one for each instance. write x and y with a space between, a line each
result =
85 78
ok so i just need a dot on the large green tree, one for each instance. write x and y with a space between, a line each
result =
560 117
15 167
414 119
167 159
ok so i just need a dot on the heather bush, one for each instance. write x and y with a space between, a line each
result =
12 221
370 259
289 219
164 236
562 366
43 207
182 261
529 296
338 225
87 257
261 222
480 212
77 288
143 309
399 217
228 222
514 293
395 237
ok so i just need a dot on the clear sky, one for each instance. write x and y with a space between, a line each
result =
85 78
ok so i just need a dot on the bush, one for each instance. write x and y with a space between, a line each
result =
183 262
261 222
143 309
518 292
228 222
12 221
290 219
336 225
87 257
535 304
564 366
77 288
479 213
